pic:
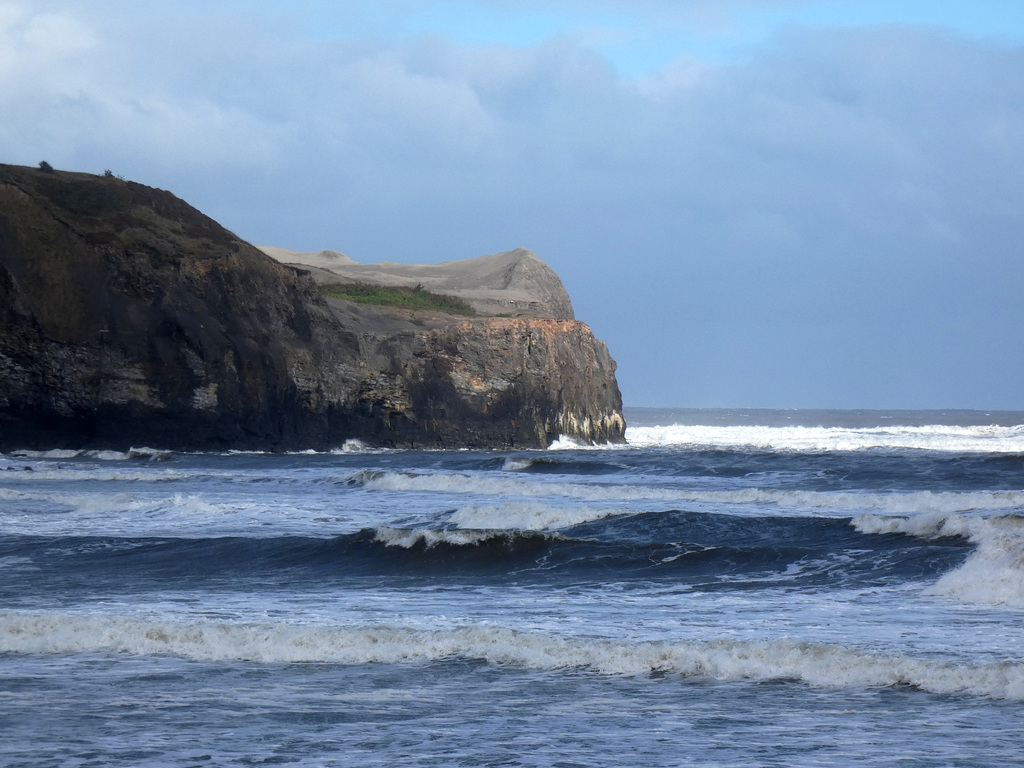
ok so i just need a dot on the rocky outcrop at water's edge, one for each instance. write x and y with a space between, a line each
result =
129 318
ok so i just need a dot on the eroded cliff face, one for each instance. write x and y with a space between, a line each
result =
519 382
129 318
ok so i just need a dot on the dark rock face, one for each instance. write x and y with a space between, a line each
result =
129 318
517 382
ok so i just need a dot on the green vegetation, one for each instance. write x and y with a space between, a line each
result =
413 298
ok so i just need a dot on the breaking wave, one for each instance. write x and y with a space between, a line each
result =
818 665
840 501
97 513
524 517
407 538
102 455
977 439
993 574
107 503
93 473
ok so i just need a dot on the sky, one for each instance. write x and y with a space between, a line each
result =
754 203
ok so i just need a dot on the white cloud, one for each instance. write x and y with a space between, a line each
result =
41 50
830 175
70 95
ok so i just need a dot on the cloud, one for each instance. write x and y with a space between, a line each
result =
39 50
839 202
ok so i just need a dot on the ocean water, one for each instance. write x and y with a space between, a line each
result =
770 588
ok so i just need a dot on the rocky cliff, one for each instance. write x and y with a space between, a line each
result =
129 318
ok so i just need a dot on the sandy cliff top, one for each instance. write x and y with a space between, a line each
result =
511 283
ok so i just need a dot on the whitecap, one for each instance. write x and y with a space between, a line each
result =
830 503
993 573
516 465
407 538
817 665
56 453
524 516
971 439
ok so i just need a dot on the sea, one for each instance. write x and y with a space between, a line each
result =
730 588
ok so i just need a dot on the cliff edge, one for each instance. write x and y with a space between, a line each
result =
511 283
127 317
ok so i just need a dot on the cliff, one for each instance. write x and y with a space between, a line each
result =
511 283
127 317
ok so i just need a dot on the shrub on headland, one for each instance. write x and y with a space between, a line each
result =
397 296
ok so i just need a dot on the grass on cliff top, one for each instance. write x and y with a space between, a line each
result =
395 296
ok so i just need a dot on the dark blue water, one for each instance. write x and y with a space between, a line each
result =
760 588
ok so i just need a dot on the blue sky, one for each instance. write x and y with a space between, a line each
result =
639 38
753 202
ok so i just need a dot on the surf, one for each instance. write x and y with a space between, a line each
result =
993 574
942 438
721 660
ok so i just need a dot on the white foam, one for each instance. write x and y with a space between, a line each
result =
120 513
109 455
350 446
176 509
431 537
524 516
515 465
11 494
354 446
101 455
828 502
820 665
94 473
978 439
57 453
930 525
566 443
993 573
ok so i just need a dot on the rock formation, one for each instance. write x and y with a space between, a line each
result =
515 282
129 318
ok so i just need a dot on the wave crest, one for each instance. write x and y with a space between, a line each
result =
972 439
993 574
893 503
524 517
155 454
407 538
819 665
